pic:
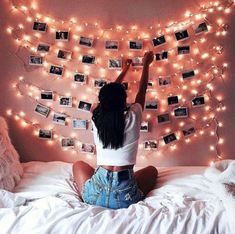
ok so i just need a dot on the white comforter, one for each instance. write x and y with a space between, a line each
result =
45 202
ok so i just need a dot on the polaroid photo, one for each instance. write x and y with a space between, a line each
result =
66 101
84 106
35 60
150 145
45 134
181 112
135 45
115 64
67 142
188 131
111 45
188 74
198 101
99 83
42 110
125 85
159 41
150 85
151 105
202 27
79 124
161 56
65 55
86 41
47 95
45 48
164 81
88 148
181 35
56 70
163 118
172 100
183 50
144 127
62 35
137 62
38 26
169 138
80 78
88 59
59 118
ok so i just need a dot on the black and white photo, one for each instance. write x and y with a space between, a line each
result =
137 62
198 101
63 54
56 70
172 100
88 148
181 35
163 118
86 41
150 145
35 60
39 26
111 45
80 78
65 101
136 45
183 50
62 35
88 59
151 105
79 124
161 56
187 131
47 95
42 110
150 85
188 74
45 48
68 142
181 112
84 106
169 138
45 134
202 27
164 81
159 41
144 126
99 83
115 63
59 118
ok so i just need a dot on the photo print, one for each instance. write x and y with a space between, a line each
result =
88 59
67 142
163 118
111 45
59 118
62 35
47 95
169 138
35 60
84 106
45 48
144 126
99 83
42 110
63 54
56 70
150 145
135 45
159 41
173 100
45 134
79 124
198 101
65 101
188 131
164 81
183 50
80 78
150 85
88 148
181 35
38 26
115 64
202 27
137 62
181 112
86 41
151 105
161 56
188 74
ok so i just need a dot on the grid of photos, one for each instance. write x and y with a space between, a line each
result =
56 70
65 55
161 56
62 35
86 41
181 35
88 148
115 63
79 124
159 41
111 45
80 78
144 126
45 134
42 110
150 145
181 112
198 101
164 81
35 60
68 142
84 106
99 83
66 101
88 59
47 95
169 138
39 26
59 118
151 105
135 45
163 118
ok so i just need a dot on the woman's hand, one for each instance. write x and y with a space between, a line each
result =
148 58
126 66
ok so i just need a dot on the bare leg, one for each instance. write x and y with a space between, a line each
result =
81 173
146 178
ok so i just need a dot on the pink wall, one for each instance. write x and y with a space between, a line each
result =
108 13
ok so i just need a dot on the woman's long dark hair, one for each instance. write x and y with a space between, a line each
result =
109 116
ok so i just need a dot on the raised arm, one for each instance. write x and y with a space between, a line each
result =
140 97
126 67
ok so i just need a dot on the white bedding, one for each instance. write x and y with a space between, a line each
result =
45 201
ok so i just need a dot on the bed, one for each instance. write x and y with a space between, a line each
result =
45 201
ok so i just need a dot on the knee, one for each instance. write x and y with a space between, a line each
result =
153 170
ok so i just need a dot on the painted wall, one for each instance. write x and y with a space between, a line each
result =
108 14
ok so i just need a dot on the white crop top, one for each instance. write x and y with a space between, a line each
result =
125 155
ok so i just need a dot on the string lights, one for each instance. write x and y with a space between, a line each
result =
194 62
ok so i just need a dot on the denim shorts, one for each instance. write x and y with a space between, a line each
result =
110 189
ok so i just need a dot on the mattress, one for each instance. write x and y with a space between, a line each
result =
46 201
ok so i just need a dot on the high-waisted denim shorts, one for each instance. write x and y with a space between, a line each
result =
110 189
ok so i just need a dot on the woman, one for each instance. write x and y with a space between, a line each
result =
116 129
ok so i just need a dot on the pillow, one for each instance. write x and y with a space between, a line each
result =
10 168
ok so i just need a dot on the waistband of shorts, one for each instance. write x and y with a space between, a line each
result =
124 174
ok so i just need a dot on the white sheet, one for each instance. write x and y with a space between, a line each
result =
45 202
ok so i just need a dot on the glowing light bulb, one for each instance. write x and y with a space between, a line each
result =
212 148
